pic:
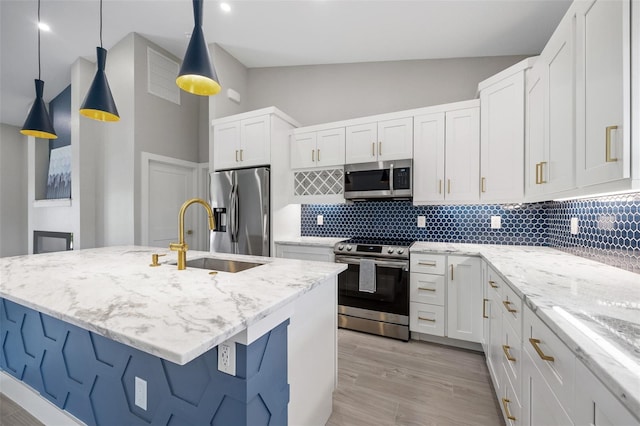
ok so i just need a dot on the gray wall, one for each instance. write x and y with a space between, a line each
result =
13 191
323 93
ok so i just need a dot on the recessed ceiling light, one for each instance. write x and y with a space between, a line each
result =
43 26
225 7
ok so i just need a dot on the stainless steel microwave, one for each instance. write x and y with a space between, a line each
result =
382 179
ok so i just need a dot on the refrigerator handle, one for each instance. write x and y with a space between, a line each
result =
234 213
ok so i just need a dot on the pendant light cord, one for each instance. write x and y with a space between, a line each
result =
39 68
100 23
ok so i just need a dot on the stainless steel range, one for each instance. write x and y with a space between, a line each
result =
373 293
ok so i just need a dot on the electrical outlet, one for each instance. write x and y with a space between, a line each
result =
496 222
320 220
574 226
227 357
422 221
140 393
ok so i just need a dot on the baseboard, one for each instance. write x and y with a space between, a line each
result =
31 401
447 341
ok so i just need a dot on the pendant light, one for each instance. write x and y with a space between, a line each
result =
38 123
197 75
99 103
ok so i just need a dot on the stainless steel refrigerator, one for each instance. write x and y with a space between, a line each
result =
240 203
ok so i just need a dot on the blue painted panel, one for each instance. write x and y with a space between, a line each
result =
93 377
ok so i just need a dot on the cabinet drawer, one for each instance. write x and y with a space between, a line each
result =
425 318
427 288
494 284
510 402
551 357
511 348
511 309
428 263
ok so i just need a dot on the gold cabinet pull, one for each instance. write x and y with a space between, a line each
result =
426 289
318 155
542 164
608 130
505 404
241 154
537 173
483 184
505 349
440 186
448 186
507 304
535 343
426 319
154 259
484 308
451 266
379 148
313 159
373 149
427 263
236 155
493 284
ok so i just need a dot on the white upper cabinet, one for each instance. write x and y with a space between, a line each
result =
447 154
502 139
323 148
603 91
242 143
535 128
380 141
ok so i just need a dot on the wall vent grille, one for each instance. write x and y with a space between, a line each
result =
161 76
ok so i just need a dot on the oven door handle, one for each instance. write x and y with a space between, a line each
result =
384 263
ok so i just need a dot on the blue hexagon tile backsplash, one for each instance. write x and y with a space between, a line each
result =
609 227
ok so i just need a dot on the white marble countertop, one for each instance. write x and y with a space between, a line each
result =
592 307
311 241
175 315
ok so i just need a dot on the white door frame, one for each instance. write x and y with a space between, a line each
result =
147 158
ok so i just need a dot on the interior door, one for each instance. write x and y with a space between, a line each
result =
170 185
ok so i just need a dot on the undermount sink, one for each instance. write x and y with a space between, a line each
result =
223 265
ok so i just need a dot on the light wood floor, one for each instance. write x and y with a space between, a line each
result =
11 414
389 382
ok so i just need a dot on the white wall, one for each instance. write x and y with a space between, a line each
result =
317 94
13 192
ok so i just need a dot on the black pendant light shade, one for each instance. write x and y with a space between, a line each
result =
197 75
38 123
99 103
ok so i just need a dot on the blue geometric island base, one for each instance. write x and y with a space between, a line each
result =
93 377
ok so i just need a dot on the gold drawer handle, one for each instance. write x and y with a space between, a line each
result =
609 158
505 349
505 404
427 263
426 289
535 343
426 319
507 304
484 308
493 284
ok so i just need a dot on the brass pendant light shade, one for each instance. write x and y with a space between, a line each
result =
99 104
197 74
38 123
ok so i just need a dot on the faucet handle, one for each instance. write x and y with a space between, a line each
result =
154 259
178 247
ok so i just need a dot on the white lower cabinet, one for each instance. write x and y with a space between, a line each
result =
595 405
302 252
446 296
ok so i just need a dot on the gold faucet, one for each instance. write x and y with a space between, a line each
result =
181 247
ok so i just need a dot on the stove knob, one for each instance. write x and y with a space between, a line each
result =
348 248
390 250
400 251
341 247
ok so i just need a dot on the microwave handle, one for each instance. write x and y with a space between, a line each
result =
391 178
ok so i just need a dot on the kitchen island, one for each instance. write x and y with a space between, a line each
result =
86 328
